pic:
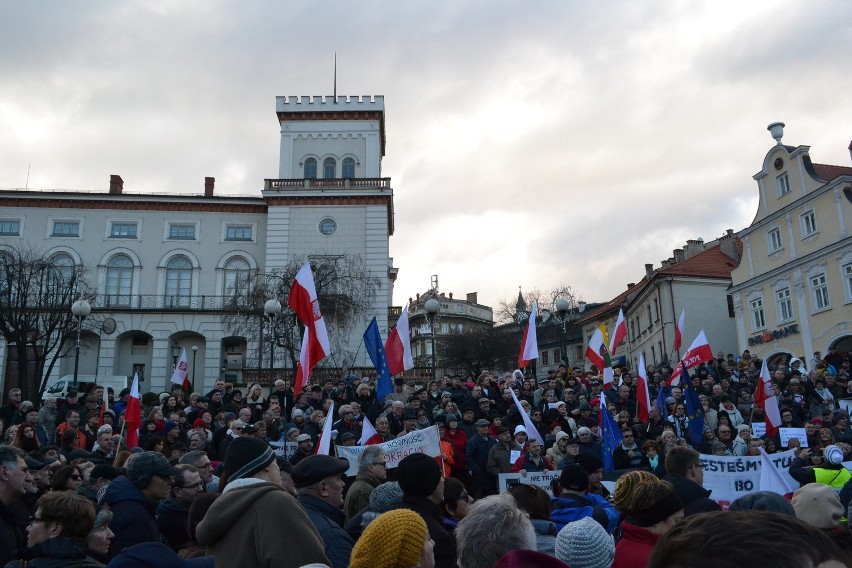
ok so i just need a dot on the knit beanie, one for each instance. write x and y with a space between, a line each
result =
585 544
394 540
246 456
386 497
418 475
818 505
763 501
833 455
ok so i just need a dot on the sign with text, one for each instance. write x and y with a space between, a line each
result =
540 479
284 449
426 441
758 429
798 433
729 478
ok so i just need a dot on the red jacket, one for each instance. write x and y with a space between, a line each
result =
459 442
635 546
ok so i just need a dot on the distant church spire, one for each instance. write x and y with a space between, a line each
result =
521 305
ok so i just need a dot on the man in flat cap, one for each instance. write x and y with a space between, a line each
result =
319 482
255 523
133 500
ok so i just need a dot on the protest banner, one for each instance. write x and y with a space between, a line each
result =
798 433
284 449
729 478
540 479
426 441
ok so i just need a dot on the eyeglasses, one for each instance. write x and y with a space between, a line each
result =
196 486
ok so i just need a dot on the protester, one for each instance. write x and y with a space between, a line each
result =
372 470
14 476
574 502
173 512
494 527
535 502
585 544
100 537
395 539
831 473
687 476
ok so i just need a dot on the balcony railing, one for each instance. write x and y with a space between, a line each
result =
348 183
121 302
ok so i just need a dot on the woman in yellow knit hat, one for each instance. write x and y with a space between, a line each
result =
396 539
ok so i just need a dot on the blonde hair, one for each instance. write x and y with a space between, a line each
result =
637 491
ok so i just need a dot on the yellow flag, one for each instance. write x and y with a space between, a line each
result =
602 327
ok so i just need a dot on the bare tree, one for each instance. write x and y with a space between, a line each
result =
508 311
36 294
471 352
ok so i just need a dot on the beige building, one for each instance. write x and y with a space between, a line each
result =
792 292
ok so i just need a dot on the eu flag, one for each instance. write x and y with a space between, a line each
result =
610 438
694 410
376 351
664 393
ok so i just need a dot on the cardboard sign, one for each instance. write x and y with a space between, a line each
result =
729 478
798 433
758 429
426 441
540 479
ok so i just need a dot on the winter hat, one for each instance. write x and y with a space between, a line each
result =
585 544
246 456
393 540
199 423
833 454
418 475
143 466
589 462
386 497
561 434
297 412
818 505
520 428
169 426
763 501
528 559
574 478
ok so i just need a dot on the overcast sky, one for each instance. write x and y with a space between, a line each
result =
529 144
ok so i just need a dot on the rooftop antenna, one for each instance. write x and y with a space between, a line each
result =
27 186
335 76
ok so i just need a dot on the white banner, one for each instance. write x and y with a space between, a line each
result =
732 477
426 441
541 479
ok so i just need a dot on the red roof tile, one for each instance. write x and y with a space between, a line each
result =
712 263
828 172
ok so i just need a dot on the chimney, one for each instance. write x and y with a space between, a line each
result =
116 184
208 186
649 271
630 285
451 295
472 298
728 245
679 255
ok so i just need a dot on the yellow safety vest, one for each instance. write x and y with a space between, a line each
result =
834 478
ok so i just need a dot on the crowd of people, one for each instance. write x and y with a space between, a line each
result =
232 477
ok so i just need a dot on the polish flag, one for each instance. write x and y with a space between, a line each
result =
643 396
398 346
764 397
529 345
699 352
133 414
619 333
770 478
181 374
368 434
532 431
104 406
324 445
679 330
303 367
303 301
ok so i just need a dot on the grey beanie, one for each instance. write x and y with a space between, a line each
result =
386 497
763 501
585 544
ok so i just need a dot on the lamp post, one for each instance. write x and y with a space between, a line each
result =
272 309
175 355
432 307
194 353
80 310
563 308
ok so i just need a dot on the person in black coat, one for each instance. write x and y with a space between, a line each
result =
684 472
173 513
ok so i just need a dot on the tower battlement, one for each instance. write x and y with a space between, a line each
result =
306 103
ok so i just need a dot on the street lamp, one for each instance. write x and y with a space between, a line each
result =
175 355
80 310
194 353
272 309
563 308
432 307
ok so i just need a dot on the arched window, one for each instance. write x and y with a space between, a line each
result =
237 274
348 168
178 281
119 280
329 165
62 274
311 168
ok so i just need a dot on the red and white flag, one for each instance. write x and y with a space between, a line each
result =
303 367
643 396
398 346
699 352
619 333
324 445
596 349
104 406
529 345
770 478
303 301
764 397
532 431
180 374
133 414
679 330
368 434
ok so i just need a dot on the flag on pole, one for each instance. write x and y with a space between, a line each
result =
664 393
598 354
180 374
104 406
611 437
368 434
133 414
764 397
694 410
699 352
679 330
643 396
529 345
619 333
770 478
398 346
324 445
303 301
376 351
532 431
303 367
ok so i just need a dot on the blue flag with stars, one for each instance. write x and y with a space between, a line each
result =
694 410
610 439
664 393
376 351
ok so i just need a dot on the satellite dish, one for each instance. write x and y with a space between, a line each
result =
108 326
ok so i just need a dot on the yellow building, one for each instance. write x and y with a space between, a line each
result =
792 292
